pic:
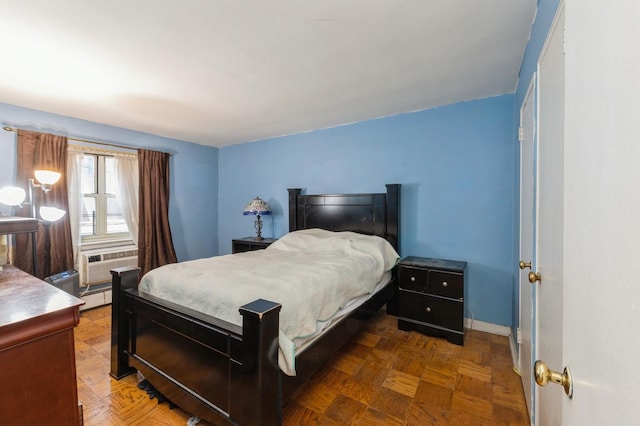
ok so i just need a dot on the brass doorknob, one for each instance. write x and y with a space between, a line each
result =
544 375
523 265
534 276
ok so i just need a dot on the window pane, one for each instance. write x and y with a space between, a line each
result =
88 219
89 174
115 220
111 185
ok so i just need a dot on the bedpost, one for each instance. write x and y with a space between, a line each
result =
121 279
393 215
255 382
393 236
293 208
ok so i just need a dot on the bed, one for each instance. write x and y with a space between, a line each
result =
222 371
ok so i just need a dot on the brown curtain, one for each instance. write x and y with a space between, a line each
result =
54 249
155 245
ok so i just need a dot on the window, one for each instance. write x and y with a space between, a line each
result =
102 215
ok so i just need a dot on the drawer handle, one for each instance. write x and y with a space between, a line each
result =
428 309
413 279
444 284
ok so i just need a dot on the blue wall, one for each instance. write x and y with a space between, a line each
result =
193 210
456 167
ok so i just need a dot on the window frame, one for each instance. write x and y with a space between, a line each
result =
101 198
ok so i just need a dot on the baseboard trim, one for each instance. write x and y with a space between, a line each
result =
487 327
96 299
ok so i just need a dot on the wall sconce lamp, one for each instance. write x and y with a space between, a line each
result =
257 207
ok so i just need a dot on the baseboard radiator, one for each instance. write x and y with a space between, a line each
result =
96 264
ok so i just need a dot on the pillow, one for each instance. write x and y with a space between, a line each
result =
319 241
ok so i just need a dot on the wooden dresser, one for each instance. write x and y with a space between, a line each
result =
37 355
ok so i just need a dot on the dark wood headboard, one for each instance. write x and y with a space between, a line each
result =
371 214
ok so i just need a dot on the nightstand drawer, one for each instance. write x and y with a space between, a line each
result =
446 284
413 278
434 310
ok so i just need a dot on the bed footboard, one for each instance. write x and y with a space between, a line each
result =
209 368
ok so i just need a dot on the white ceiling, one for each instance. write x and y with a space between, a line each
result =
221 72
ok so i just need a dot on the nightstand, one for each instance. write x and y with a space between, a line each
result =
240 245
431 297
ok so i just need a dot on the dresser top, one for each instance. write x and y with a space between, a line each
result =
427 262
17 225
23 296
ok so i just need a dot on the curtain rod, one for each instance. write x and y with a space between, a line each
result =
11 129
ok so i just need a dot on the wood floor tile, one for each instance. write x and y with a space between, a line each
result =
345 410
477 357
377 418
474 387
331 378
474 370
463 418
373 373
507 416
421 413
347 363
393 403
383 376
389 345
356 349
367 339
403 383
479 407
359 389
299 415
317 398
414 367
506 398
434 395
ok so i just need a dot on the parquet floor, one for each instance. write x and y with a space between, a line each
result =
384 376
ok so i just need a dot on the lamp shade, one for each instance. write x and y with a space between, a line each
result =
47 177
12 195
257 206
51 214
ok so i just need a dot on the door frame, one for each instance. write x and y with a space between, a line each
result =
549 254
527 303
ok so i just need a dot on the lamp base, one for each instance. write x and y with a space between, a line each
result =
258 225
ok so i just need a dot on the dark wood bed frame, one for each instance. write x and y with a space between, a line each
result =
219 371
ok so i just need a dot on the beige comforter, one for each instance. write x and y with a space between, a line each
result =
312 273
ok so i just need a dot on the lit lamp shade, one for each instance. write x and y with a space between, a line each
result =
47 177
258 207
51 214
12 195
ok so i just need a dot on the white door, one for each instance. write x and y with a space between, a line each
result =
602 213
589 214
550 219
527 217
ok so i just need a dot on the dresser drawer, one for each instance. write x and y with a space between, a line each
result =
446 284
413 279
434 310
